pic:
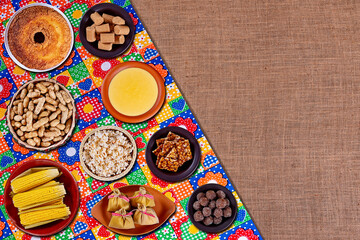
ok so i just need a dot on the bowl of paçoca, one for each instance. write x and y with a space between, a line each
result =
108 153
106 30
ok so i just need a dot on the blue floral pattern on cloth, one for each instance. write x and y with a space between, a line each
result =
69 153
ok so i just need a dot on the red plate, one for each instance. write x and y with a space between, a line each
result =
72 198
133 119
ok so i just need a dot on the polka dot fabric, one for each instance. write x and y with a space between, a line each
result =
83 75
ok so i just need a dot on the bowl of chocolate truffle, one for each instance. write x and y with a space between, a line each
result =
212 208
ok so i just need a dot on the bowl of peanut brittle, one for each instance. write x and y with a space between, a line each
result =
41 115
173 154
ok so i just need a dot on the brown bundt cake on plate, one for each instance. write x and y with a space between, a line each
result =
39 37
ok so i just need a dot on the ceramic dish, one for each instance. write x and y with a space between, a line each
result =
114 10
212 228
145 116
72 198
7 42
185 170
164 208
114 177
51 147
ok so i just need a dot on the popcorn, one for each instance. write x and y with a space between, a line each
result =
107 153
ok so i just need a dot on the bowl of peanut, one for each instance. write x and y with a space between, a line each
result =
41 115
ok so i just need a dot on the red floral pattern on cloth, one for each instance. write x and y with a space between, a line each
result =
157 181
26 2
5 88
2 226
242 234
160 69
102 67
17 148
186 123
68 62
89 108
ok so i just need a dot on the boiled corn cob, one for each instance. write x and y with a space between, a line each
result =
43 215
56 203
33 178
38 197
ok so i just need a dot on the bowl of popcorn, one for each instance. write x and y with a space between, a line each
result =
41 115
108 153
106 30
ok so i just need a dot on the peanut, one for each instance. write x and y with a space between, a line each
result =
42 88
65 96
61 99
39 106
41 131
31 142
50 107
40 122
18 118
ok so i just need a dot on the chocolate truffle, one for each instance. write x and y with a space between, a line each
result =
210 194
227 202
200 195
220 194
227 212
198 216
220 203
206 211
208 220
212 204
218 212
204 201
196 205
218 220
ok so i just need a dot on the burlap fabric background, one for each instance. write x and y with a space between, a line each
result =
275 86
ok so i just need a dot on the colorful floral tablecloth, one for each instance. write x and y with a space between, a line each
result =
83 74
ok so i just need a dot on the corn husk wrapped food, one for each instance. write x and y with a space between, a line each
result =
145 216
142 197
118 200
122 220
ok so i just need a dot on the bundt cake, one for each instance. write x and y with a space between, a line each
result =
39 37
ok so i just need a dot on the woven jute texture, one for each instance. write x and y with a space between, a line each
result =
275 86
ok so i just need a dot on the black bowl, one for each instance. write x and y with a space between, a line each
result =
185 170
212 228
114 10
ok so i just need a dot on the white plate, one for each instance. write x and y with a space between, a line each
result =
7 42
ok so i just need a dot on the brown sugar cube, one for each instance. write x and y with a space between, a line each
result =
105 46
90 34
97 19
107 17
107 37
105 28
121 30
119 39
118 21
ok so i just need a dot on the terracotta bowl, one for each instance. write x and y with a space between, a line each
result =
185 170
164 208
115 177
51 147
72 198
114 10
133 119
212 228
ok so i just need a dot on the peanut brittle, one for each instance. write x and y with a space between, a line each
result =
172 152
184 151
